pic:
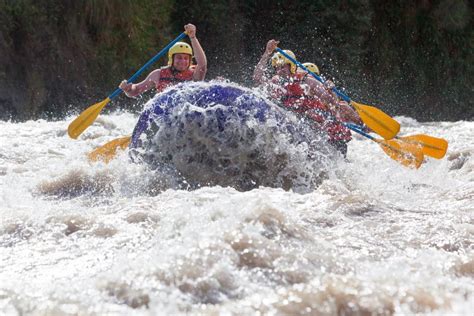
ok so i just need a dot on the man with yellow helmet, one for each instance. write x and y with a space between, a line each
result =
303 94
179 68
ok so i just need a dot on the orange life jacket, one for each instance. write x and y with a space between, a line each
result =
294 96
169 77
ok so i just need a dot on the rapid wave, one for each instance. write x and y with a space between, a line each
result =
372 238
221 134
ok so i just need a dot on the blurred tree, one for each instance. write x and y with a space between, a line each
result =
407 57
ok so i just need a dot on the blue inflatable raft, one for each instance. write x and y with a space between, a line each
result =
222 134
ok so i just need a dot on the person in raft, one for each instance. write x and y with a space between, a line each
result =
301 93
345 113
179 69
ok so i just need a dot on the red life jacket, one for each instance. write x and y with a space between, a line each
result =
169 77
294 96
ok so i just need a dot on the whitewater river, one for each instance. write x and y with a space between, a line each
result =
78 238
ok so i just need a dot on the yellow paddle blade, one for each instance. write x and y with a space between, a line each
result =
431 146
377 120
85 119
108 151
409 155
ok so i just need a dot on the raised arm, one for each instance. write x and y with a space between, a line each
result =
134 89
259 72
201 60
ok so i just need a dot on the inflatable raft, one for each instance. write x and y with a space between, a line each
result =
222 134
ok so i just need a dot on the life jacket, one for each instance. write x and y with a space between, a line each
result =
295 96
169 77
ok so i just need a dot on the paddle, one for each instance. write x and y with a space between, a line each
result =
385 125
88 116
431 146
374 118
108 151
409 155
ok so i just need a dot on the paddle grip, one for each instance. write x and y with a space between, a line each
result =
151 61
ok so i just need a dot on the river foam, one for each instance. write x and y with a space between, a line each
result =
78 238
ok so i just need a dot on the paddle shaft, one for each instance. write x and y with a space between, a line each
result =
356 128
151 61
339 93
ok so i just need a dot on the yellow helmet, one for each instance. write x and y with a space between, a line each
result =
279 59
312 67
179 48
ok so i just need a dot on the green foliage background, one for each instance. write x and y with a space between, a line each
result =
408 57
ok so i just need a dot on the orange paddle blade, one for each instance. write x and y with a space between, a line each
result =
377 120
431 146
409 155
108 151
85 119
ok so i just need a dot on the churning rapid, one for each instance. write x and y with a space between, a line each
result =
221 134
320 234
